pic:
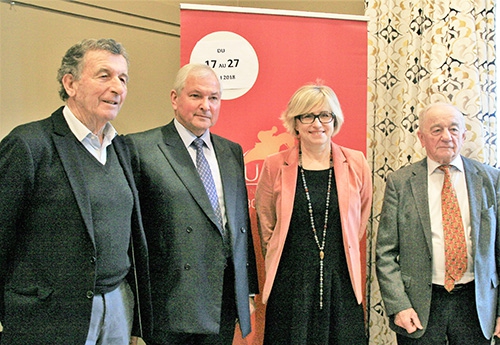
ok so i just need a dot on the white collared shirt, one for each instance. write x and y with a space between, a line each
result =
89 139
435 185
208 149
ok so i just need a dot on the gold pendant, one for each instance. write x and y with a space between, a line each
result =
321 255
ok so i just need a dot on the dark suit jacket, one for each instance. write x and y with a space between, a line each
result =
47 254
185 246
404 247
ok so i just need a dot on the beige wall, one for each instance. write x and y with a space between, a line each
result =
33 41
34 35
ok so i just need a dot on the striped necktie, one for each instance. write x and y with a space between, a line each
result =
208 181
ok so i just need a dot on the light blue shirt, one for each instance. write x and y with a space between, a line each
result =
187 138
89 139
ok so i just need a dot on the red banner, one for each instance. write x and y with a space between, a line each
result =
262 57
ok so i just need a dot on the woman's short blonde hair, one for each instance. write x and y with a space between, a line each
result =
308 97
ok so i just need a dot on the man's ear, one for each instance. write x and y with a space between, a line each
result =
173 99
421 137
68 81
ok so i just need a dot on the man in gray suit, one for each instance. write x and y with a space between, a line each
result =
202 258
411 246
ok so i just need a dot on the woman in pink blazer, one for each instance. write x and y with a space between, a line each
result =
313 202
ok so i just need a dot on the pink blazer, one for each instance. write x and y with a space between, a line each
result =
274 203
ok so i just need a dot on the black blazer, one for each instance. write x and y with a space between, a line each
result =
47 254
186 256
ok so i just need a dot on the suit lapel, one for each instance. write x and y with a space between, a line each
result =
289 175
118 145
177 155
67 146
419 185
474 183
126 166
229 168
341 170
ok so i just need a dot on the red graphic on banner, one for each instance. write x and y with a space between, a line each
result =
269 143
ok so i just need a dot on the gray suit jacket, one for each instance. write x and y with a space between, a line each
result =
404 248
187 257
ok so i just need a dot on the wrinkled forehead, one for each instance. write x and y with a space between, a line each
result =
444 115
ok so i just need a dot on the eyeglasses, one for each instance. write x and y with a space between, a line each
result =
324 117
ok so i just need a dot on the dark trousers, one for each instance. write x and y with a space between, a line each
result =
453 319
227 323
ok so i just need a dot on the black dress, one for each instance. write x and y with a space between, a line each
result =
293 315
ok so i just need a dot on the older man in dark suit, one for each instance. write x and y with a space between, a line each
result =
438 246
193 195
71 239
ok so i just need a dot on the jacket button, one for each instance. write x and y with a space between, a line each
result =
189 229
93 259
243 230
90 294
187 267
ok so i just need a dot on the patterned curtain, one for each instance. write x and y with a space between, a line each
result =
420 52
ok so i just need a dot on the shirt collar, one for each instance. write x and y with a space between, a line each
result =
457 163
187 136
81 131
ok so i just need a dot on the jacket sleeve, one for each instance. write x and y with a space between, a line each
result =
253 280
265 205
387 253
366 196
16 180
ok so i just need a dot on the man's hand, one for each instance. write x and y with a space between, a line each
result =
497 328
133 340
251 301
408 319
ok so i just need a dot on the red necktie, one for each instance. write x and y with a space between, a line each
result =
454 238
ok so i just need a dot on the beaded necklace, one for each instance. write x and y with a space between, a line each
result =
321 246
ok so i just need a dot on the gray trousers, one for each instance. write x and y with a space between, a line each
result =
112 317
